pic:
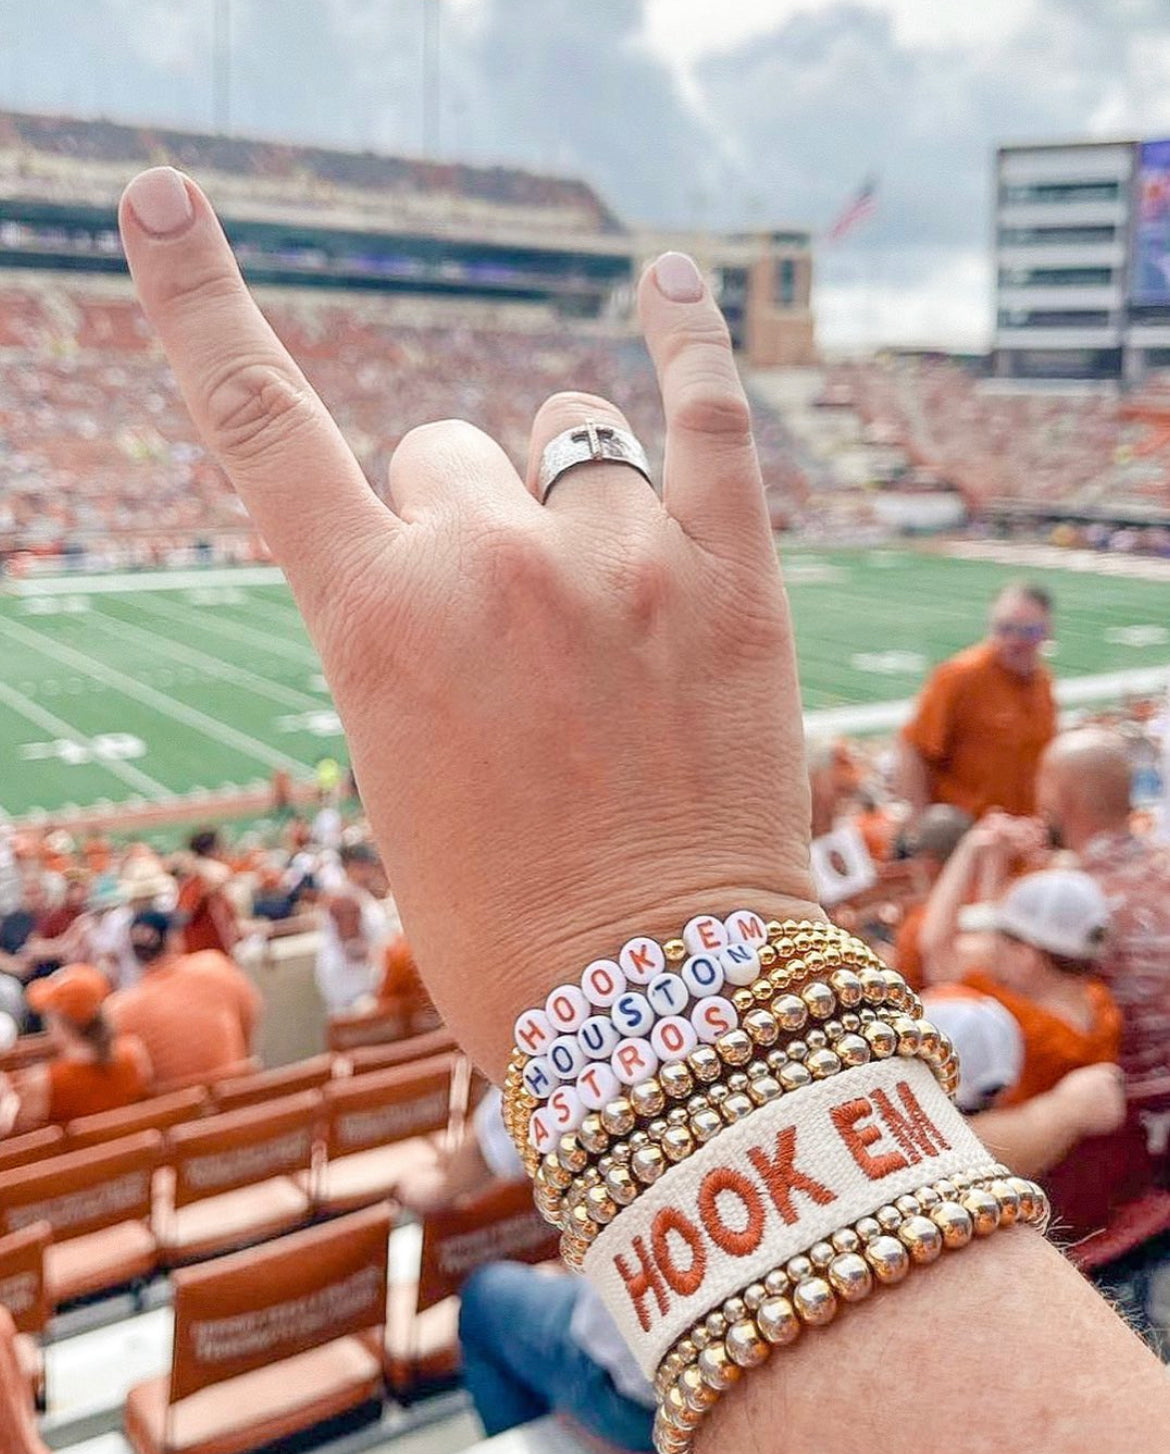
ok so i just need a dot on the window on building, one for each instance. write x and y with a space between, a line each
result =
1059 192
1055 236
1053 318
787 282
1055 277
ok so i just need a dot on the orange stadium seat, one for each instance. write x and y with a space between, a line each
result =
98 1203
249 1066
31 1146
365 1058
267 1085
159 1113
270 1343
376 1127
370 1027
28 1050
22 1292
238 1178
422 1318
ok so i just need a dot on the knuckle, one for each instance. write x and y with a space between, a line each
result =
712 405
198 289
253 406
572 407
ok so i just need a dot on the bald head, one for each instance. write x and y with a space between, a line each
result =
1084 785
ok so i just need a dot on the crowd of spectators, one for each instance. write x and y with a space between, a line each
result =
1074 449
97 451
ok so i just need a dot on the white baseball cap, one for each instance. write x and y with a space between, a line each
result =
1062 911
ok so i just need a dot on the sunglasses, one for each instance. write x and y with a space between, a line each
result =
1020 633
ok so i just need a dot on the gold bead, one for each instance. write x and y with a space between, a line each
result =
600 1205
929 1038
572 1155
1009 1202
648 1163
798 1268
881 1038
647 1098
621 1186
706 1123
678 1411
791 1012
922 1239
846 1240
554 1173
822 1064
873 985
676 1080
768 956
819 999
775 1283
820 1254
954 1222
815 1302
793 1076
592 1134
675 951
777 1321
889 1218
888 1258
699 1395
736 1106
850 1277
983 1209
705 1064
743 999
1026 1194
846 986
909 1038
909 1206
745 1346
868 1228
852 1050
618 1117
761 1026
816 1039
735 1048
716 1368
765 1088
678 1143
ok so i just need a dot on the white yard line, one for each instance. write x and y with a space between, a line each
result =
213 665
32 712
234 631
190 716
1070 692
80 584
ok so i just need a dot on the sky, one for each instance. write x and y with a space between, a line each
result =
694 113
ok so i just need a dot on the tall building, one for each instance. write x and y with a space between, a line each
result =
1062 242
1082 254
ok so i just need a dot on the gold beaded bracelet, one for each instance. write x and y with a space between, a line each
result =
798 979
621 1151
810 1289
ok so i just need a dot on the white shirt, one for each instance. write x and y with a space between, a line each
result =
590 1327
346 972
109 938
989 1041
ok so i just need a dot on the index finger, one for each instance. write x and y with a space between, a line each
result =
251 404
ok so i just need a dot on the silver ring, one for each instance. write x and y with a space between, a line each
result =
587 444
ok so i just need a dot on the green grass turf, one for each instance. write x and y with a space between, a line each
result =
221 685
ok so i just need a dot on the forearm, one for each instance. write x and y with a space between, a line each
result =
960 1357
940 923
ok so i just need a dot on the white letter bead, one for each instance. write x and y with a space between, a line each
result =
634 1060
602 982
539 1079
746 927
565 1108
667 994
741 963
541 1132
533 1032
703 975
566 1057
642 959
714 1017
567 1009
598 1037
632 1014
703 934
673 1038
597 1085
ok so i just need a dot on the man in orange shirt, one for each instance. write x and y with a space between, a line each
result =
985 716
195 1013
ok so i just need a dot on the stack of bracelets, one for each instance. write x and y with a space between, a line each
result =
739 1132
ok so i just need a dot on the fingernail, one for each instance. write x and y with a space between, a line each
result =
160 201
678 278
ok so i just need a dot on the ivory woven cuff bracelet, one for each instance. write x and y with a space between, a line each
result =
769 1186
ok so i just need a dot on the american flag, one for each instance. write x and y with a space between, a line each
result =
856 211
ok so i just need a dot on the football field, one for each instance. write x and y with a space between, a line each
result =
147 687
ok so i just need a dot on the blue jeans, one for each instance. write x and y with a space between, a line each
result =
520 1361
